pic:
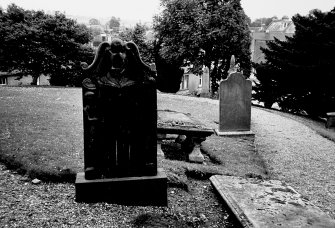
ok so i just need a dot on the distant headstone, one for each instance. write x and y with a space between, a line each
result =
120 130
205 82
235 105
193 83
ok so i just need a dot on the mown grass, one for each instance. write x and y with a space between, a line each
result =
41 132
41 135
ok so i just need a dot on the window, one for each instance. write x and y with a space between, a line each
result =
3 81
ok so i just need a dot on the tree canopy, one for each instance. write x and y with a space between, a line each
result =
114 23
36 43
137 35
262 21
302 67
94 21
199 33
96 30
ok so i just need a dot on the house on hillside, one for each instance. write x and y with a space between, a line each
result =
99 39
280 29
195 83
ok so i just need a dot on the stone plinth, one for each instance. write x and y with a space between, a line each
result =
139 191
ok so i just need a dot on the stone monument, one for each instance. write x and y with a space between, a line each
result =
120 130
205 83
235 106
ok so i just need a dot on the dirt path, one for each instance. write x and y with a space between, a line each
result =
293 152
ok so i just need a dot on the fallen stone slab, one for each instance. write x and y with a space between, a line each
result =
259 203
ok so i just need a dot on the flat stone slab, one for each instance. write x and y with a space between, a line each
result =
233 133
172 122
258 203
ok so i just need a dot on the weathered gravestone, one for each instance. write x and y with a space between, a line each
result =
120 130
205 82
235 105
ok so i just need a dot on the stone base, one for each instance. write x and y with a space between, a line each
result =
272 203
160 153
196 155
139 191
233 133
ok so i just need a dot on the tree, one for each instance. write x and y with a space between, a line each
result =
137 35
95 30
36 43
266 88
263 21
197 33
114 23
302 67
94 21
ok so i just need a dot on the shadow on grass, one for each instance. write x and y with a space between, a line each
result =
237 155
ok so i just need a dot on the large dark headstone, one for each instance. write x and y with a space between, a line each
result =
120 130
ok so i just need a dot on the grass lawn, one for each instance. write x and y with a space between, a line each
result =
41 136
41 131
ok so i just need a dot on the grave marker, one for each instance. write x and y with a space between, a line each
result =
120 130
235 105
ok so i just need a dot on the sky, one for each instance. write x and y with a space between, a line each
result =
143 10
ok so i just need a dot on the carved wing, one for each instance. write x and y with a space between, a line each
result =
100 57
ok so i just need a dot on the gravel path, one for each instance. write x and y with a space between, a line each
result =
293 152
297 155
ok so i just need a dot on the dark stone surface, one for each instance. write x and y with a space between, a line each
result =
140 191
121 138
120 130
120 114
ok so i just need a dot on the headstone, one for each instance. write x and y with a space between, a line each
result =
193 83
205 82
120 130
235 105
